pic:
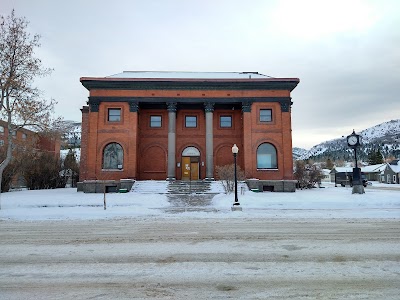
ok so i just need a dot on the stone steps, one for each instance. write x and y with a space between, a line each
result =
189 187
150 187
177 187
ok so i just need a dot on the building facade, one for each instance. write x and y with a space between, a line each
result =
181 125
26 140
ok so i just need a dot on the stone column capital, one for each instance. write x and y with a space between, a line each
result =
171 106
209 106
94 105
246 106
133 106
285 105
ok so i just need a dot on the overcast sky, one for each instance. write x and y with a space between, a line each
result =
346 53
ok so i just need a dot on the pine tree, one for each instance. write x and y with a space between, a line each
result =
375 157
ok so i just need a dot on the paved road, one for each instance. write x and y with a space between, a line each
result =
182 258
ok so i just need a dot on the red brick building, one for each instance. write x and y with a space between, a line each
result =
181 125
27 139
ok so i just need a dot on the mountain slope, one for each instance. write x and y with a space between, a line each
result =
384 137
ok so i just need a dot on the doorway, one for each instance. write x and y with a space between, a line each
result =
190 168
190 164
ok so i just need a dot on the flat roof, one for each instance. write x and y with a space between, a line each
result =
188 75
189 80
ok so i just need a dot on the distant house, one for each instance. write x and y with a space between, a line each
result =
373 172
391 173
326 173
342 173
27 139
384 173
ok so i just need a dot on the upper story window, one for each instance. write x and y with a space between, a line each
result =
24 136
155 121
14 134
114 115
225 121
1 129
265 115
191 121
1 142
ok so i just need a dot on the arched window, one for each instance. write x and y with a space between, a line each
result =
113 156
266 157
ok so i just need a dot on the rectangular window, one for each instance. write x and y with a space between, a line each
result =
155 121
225 121
265 115
114 114
1 130
1 142
191 121
24 136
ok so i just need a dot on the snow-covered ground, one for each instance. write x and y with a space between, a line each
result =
379 201
323 243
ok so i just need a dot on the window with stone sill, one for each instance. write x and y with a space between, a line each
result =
265 115
155 121
266 157
114 115
225 121
113 157
190 121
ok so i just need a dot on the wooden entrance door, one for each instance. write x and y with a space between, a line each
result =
185 168
190 168
194 168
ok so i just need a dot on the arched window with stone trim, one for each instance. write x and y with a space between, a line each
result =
113 156
266 156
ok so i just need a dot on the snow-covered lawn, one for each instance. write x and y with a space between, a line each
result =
323 243
327 202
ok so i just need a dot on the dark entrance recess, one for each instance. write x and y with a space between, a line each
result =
268 188
111 189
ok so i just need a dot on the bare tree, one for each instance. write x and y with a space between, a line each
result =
227 176
21 103
307 175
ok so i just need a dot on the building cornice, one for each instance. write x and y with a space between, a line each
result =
246 102
189 84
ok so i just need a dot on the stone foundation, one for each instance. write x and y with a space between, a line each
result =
110 186
271 185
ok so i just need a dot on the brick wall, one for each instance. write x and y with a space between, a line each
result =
145 148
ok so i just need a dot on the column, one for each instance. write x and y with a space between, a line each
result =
171 107
287 161
132 157
209 109
248 163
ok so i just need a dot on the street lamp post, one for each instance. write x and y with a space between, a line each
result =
354 141
236 204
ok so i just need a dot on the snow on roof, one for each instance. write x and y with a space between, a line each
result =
326 171
343 169
366 169
192 75
374 168
395 168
